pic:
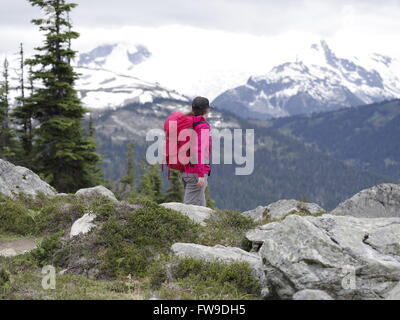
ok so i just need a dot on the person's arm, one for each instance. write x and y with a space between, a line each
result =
202 149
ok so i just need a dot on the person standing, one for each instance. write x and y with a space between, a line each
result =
193 163
195 175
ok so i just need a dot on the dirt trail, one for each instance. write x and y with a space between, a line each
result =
14 248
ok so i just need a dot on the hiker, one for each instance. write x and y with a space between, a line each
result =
194 173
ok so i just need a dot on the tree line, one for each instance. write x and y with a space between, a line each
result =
44 131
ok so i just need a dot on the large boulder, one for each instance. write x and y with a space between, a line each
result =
380 201
15 248
197 214
90 194
223 254
309 294
345 256
16 179
394 294
282 208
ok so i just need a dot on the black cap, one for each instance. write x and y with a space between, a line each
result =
200 103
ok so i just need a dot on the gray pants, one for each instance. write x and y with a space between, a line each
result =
193 193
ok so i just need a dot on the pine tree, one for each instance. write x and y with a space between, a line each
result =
129 178
8 142
209 201
91 127
64 156
151 183
23 113
97 174
175 192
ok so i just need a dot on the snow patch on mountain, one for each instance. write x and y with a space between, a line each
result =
107 77
316 81
101 89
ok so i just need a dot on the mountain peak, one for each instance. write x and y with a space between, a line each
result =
110 56
322 48
316 81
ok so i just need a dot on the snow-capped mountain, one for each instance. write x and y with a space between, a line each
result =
118 57
107 84
107 78
316 81
107 81
101 89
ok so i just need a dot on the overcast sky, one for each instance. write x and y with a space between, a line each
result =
244 36
324 18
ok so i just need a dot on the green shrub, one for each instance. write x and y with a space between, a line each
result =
20 263
26 215
227 228
133 241
5 282
15 217
104 208
211 280
121 260
4 277
45 252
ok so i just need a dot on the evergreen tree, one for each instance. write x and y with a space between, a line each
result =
23 113
97 174
151 183
129 178
64 156
91 127
209 201
8 142
175 192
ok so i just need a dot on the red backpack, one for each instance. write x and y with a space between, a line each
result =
172 131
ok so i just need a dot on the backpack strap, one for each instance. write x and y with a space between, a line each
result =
198 122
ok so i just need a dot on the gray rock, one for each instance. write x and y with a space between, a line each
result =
282 208
82 225
197 214
379 201
257 214
8 252
309 294
92 193
265 293
394 294
223 254
18 247
347 257
258 235
16 179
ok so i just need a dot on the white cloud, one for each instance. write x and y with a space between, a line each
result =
211 40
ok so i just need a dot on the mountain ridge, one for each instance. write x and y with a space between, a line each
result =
316 81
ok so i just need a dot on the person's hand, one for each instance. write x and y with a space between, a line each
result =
201 182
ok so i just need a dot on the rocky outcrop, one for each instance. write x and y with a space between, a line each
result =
309 294
15 248
89 194
394 294
282 208
345 256
83 225
379 201
16 179
197 214
223 254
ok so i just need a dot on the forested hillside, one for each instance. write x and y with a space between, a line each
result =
366 136
284 166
